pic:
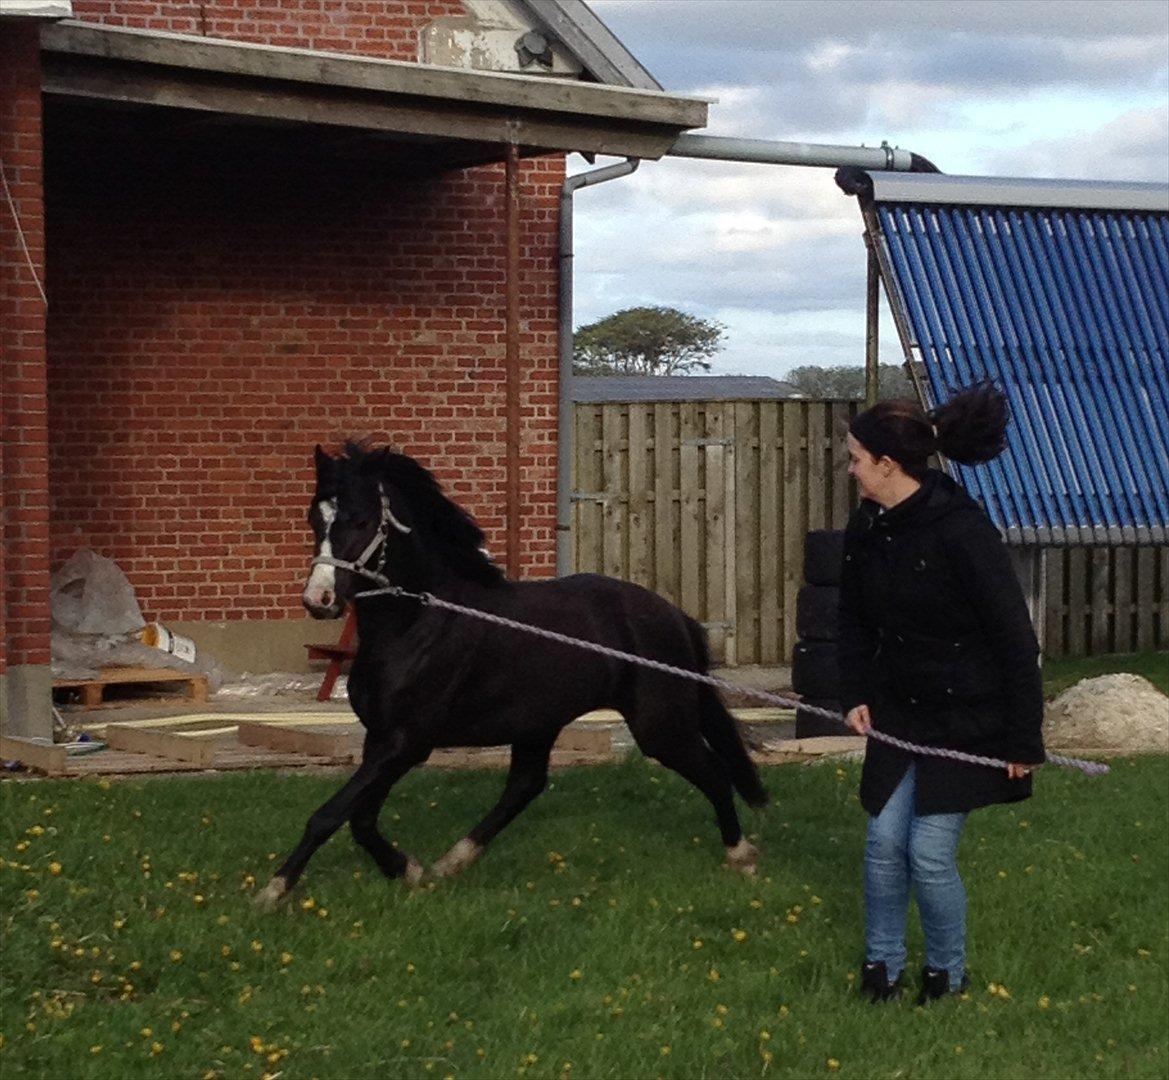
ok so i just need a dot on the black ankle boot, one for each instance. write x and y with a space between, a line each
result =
875 984
935 983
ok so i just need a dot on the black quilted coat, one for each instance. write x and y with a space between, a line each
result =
935 638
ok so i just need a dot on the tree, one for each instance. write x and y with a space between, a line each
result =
844 381
646 341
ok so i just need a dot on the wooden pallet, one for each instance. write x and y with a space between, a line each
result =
109 680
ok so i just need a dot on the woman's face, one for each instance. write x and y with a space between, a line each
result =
870 473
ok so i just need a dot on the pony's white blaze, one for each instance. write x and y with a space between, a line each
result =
323 579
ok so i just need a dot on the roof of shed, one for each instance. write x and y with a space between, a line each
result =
1058 291
425 113
603 388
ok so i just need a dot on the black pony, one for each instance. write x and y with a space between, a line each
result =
424 677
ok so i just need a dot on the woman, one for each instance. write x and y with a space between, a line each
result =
936 647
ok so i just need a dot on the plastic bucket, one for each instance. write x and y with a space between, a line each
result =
158 636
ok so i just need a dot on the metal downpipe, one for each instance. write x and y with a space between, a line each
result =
565 411
823 155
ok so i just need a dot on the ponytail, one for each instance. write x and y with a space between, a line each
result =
972 426
969 428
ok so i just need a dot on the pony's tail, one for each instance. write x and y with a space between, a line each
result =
721 732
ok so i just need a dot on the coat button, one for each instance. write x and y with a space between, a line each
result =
913 701
900 638
949 690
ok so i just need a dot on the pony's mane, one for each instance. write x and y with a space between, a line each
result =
450 531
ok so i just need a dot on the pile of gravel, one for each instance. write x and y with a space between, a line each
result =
1111 712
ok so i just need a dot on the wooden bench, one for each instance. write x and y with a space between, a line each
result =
345 649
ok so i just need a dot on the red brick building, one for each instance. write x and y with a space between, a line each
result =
231 230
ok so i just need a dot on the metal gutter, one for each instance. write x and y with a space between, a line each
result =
565 412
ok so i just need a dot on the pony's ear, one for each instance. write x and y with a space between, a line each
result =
326 466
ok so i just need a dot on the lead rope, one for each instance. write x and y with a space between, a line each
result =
1089 768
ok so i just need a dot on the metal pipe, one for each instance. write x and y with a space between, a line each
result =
872 321
565 410
512 360
824 155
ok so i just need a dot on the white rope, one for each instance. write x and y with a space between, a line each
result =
20 233
1089 768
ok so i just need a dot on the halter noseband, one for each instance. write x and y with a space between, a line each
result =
358 565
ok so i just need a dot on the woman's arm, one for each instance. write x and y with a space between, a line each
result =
856 639
983 566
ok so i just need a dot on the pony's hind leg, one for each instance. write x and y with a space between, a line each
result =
668 739
526 778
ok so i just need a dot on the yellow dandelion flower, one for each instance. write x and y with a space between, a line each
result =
832 1064
1044 1002
665 1051
119 923
176 1026
286 958
156 1049
713 975
959 1049
574 975
32 894
22 846
35 830
176 956
257 946
223 920
257 1044
698 943
225 950
722 1010
146 1032
95 1049
136 965
308 903
767 1055
739 935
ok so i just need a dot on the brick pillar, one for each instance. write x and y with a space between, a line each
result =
25 681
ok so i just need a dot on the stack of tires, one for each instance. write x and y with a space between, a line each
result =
815 665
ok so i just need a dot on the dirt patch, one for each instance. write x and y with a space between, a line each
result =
1111 712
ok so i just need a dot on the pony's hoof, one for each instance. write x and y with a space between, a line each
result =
462 855
414 874
743 858
269 897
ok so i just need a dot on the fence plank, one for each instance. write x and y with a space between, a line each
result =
715 485
1101 612
1077 591
665 508
768 535
1145 585
794 522
586 511
614 487
1161 641
842 501
690 531
1055 619
1122 635
817 495
641 520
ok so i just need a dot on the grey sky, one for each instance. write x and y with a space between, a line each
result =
1067 88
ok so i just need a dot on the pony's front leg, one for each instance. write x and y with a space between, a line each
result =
383 763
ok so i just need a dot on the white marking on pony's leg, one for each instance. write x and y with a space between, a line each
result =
271 894
743 857
462 855
414 874
323 579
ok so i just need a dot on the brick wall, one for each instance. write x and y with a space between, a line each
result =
214 315
24 624
385 28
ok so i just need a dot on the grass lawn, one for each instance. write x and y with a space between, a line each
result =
599 937
1059 674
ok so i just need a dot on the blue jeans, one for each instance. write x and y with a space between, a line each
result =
901 850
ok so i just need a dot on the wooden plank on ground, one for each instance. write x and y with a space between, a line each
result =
592 741
49 760
336 745
160 744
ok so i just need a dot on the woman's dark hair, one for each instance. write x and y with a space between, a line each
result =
969 428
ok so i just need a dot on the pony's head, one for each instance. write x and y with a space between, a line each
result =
380 518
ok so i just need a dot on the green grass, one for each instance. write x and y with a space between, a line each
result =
1059 674
1069 912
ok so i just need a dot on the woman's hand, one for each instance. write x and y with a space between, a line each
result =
859 720
1019 772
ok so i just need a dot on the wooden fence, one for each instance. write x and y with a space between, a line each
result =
707 503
